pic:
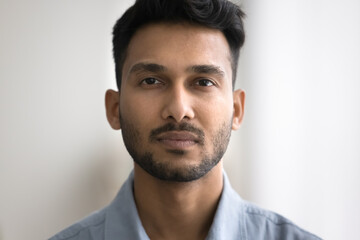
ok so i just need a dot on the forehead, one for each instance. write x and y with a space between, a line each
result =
178 45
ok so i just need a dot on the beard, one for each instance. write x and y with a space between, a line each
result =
165 170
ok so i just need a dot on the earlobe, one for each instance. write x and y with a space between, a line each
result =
239 104
112 103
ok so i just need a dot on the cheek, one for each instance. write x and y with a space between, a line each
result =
215 112
138 111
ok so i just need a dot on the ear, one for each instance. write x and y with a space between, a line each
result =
239 104
112 103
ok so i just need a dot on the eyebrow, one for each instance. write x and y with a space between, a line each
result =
156 68
207 69
149 67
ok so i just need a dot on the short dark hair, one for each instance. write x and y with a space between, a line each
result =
222 15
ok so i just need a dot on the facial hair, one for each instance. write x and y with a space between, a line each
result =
164 170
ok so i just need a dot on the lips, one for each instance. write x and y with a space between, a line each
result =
178 140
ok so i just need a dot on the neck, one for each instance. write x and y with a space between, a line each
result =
173 210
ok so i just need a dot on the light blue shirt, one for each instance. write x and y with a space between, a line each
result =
234 219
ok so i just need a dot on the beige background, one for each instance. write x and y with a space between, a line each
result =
297 153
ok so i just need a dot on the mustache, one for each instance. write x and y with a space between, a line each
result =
177 127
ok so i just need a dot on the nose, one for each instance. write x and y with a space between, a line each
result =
178 104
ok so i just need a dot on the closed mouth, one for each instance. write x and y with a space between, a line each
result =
178 139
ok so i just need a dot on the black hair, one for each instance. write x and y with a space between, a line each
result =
222 15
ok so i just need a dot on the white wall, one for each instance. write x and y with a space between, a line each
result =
301 135
59 160
297 152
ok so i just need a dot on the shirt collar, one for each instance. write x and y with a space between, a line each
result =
229 219
122 218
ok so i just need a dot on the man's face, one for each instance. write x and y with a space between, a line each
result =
176 100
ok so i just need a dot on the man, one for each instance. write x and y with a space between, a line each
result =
176 69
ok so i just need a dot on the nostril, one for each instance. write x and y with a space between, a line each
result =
171 118
180 119
177 105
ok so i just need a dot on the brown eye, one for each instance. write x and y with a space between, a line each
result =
150 81
205 83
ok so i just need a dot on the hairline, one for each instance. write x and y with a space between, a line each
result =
232 59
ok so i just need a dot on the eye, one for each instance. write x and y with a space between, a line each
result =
150 81
205 82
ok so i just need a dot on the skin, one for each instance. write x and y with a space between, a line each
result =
149 99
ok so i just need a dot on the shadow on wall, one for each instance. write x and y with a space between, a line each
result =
93 183
107 174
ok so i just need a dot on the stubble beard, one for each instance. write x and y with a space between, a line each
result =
165 170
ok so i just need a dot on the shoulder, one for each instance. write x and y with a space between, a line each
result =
266 224
87 228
